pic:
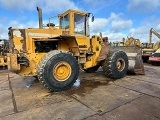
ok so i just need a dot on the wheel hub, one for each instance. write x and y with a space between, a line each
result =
62 71
120 64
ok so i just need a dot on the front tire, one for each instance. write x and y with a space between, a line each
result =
115 65
58 70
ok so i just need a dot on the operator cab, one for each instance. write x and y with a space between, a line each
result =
74 22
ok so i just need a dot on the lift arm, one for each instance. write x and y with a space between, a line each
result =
154 32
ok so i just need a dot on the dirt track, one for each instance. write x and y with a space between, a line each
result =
98 97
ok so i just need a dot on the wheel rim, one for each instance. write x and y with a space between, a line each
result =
120 64
62 71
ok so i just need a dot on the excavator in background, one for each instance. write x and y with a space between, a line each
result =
4 49
149 48
54 54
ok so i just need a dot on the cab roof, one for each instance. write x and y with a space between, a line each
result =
74 11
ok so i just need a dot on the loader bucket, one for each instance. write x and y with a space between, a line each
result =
134 57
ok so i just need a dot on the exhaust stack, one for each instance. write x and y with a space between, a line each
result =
40 18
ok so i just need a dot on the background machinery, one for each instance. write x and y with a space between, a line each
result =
4 49
55 55
155 58
130 41
149 48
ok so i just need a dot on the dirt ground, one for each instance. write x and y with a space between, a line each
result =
97 98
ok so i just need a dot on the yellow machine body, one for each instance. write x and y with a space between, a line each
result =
26 44
55 53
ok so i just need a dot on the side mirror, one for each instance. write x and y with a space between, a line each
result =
92 18
88 15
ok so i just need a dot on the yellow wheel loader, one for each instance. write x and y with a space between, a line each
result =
55 53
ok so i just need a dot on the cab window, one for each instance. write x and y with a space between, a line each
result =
64 22
79 24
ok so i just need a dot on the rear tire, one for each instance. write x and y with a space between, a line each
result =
115 65
58 70
92 69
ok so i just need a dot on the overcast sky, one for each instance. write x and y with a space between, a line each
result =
114 18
